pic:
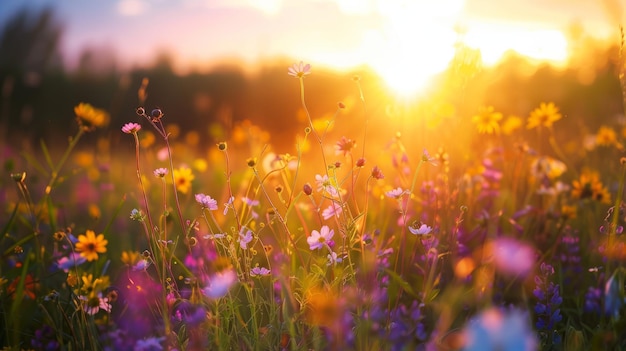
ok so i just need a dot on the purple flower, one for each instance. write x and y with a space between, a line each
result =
420 229
259 271
548 299
219 284
206 201
245 238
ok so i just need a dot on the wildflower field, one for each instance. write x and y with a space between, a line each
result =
417 227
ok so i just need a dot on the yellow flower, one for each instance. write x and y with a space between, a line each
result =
511 124
129 258
589 186
544 115
606 136
93 286
183 178
487 120
89 245
89 117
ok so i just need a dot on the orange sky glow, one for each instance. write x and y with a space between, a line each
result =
405 41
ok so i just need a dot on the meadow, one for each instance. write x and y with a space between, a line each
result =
431 226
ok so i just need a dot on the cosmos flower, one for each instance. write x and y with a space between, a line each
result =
344 146
299 70
543 116
160 172
131 128
89 245
317 240
396 193
324 185
93 304
333 210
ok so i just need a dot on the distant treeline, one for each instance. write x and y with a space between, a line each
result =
38 94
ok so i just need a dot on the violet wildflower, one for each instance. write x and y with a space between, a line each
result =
45 339
259 271
593 300
229 205
220 284
548 302
245 238
420 229
206 201
512 257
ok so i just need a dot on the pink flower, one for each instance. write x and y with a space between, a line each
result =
220 284
332 210
511 256
317 240
324 184
344 146
299 70
206 201
260 271
396 193
160 172
131 128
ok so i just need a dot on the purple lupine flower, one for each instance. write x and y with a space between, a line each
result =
593 300
549 300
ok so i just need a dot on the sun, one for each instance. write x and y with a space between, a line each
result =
415 43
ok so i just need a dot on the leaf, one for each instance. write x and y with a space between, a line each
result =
395 277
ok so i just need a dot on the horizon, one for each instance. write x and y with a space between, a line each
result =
198 35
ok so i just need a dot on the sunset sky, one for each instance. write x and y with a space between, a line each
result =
397 38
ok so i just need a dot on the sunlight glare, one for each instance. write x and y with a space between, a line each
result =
416 43
493 40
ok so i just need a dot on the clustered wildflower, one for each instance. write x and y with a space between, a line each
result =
548 301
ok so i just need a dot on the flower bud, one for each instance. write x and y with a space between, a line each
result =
307 189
